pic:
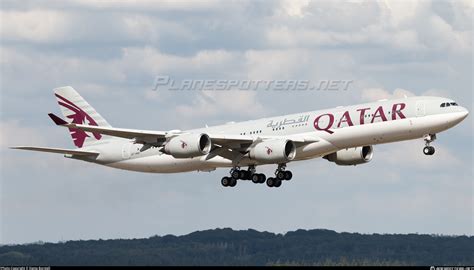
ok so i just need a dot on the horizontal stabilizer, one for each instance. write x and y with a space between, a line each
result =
57 150
57 120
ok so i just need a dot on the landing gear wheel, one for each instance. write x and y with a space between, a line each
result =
262 178
256 178
233 182
271 182
280 175
225 181
288 175
243 175
277 183
248 175
429 150
235 174
426 150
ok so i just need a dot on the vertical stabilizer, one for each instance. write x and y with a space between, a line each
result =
76 110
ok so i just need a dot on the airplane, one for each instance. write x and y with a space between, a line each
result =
342 135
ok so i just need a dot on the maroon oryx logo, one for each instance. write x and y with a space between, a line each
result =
269 150
79 117
183 144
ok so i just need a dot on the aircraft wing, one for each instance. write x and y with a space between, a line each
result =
243 142
149 136
57 150
228 140
303 139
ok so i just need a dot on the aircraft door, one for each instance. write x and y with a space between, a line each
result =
420 108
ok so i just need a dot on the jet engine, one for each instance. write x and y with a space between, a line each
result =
351 156
273 151
188 145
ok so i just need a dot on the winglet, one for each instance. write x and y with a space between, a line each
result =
57 120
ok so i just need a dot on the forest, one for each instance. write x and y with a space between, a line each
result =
250 247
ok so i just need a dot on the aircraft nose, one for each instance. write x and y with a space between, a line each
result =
464 113
458 115
461 115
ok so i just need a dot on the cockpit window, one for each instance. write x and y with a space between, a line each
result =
448 104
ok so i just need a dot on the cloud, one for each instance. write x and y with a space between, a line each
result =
40 26
12 133
294 8
233 103
400 13
401 26
374 94
409 155
16 133
144 5
271 64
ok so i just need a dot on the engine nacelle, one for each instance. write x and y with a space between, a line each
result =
188 145
351 156
274 151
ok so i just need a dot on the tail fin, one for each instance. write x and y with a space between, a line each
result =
75 108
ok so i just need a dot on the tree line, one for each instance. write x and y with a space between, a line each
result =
250 247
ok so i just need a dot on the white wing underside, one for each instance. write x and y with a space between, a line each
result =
57 150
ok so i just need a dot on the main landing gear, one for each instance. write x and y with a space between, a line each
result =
257 178
280 175
237 174
429 150
228 181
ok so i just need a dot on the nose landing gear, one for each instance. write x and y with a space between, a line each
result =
428 149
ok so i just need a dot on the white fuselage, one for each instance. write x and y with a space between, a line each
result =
336 129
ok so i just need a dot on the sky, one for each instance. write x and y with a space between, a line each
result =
112 51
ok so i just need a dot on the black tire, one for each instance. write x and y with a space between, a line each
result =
233 182
270 181
288 175
235 174
280 175
277 183
432 150
262 178
248 175
429 150
225 181
256 178
243 175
